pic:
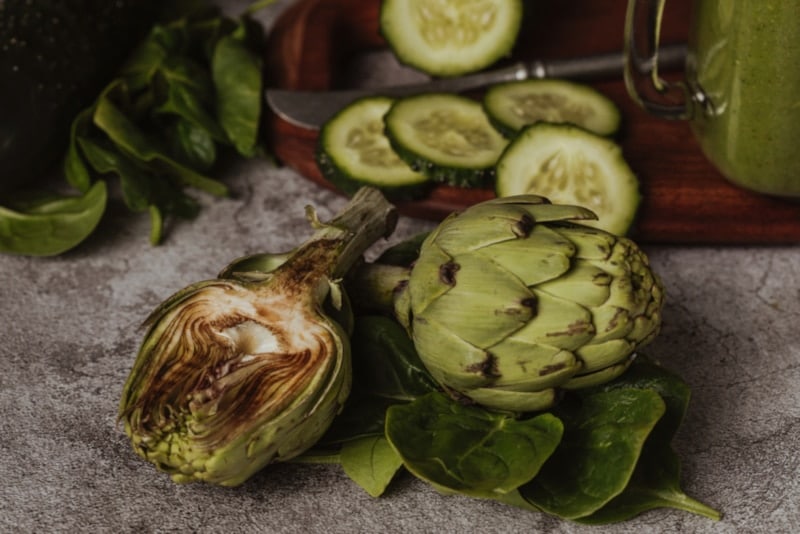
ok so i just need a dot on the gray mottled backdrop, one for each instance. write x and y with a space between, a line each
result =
70 328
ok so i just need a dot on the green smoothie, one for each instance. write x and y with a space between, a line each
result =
745 59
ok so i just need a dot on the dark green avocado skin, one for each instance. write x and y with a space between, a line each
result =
55 56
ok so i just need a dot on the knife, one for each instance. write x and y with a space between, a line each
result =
310 109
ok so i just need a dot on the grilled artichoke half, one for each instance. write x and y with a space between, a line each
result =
249 368
511 301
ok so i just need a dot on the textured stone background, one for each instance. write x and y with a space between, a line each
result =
69 331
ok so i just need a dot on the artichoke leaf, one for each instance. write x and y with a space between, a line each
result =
511 400
471 232
465 307
254 267
451 360
590 243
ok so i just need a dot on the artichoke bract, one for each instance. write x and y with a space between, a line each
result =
511 301
250 368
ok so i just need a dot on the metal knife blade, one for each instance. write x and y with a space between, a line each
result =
310 109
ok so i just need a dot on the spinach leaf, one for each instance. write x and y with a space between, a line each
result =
385 361
189 95
467 449
362 416
604 433
403 253
128 137
656 480
192 145
53 225
371 463
75 171
386 371
144 62
191 86
237 78
156 225
105 159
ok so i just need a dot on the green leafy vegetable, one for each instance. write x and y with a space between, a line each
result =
185 100
128 137
600 456
385 361
371 462
386 371
467 449
107 159
603 437
656 480
237 77
188 92
50 226
403 253
193 146
76 171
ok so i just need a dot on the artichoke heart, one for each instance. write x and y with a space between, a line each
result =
512 300
250 368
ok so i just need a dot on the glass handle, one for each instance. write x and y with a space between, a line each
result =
659 97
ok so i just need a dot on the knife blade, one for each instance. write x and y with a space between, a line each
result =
310 109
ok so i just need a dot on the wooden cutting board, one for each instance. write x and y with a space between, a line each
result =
684 199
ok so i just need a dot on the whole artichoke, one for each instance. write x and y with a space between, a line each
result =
251 367
510 301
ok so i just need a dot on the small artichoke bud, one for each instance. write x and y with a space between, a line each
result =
249 368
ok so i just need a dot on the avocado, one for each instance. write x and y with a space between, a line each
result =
55 57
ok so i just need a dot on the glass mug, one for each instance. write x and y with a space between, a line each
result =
742 88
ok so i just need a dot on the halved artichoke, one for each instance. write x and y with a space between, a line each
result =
250 368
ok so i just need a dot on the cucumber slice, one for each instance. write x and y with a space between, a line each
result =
450 37
570 165
514 105
353 152
447 137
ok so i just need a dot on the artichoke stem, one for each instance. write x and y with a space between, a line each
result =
366 218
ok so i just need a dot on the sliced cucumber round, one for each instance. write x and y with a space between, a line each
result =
447 137
570 165
353 152
514 105
450 37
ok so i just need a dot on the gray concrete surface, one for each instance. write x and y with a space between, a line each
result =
70 328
